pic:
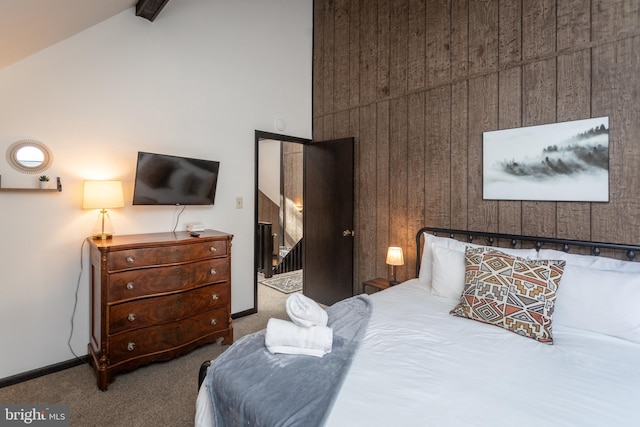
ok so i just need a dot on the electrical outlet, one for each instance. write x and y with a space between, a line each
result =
239 202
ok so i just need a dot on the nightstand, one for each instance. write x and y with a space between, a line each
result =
379 284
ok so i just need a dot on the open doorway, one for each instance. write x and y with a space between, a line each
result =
279 211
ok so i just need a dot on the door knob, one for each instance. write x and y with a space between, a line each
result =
347 233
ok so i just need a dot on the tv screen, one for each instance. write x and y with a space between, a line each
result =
171 180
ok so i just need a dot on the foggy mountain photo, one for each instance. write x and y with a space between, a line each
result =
562 161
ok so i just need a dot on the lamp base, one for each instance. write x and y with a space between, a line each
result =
102 236
394 280
103 229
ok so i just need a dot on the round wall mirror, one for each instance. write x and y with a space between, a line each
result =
29 156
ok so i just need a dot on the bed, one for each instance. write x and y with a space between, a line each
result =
420 365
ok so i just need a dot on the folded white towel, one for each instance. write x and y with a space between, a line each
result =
304 311
283 336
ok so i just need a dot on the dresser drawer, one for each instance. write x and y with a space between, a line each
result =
157 310
149 281
165 337
135 258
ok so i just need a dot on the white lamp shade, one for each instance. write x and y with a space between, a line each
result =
394 256
102 195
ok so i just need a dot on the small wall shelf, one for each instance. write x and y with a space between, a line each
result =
36 190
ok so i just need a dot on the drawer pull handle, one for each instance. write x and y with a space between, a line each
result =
215 297
213 271
131 317
130 259
131 346
213 249
130 286
214 322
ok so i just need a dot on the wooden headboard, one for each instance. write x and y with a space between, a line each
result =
491 239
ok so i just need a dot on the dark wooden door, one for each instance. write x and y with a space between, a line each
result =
328 220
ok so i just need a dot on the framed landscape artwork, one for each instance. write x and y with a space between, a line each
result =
556 162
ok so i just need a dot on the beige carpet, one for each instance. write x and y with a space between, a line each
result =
161 394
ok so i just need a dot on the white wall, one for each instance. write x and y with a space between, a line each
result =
269 170
196 82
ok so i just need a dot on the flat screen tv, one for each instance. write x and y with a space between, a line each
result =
171 180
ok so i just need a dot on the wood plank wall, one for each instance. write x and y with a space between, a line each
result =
416 82
269 212
292 192
286 221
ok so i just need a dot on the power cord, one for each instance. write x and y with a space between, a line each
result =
178 218
75 304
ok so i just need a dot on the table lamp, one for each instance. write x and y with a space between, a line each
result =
103 195
394 259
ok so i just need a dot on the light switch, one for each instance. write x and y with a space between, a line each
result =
239 203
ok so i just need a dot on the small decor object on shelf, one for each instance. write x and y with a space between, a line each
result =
44 182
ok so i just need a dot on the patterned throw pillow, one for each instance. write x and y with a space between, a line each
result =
514 293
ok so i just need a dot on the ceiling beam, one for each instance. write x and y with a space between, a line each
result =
149 9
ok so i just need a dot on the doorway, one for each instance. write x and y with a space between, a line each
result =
279 210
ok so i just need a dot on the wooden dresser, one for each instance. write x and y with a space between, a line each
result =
157 296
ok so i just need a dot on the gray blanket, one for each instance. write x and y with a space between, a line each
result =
249 386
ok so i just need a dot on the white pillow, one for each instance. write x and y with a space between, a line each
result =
448 274
601 301
427 259
448 266
597 262
426 264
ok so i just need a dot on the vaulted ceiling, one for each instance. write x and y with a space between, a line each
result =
27 26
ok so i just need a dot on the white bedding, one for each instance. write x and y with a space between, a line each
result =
420 366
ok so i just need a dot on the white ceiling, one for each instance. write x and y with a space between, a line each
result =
27 26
